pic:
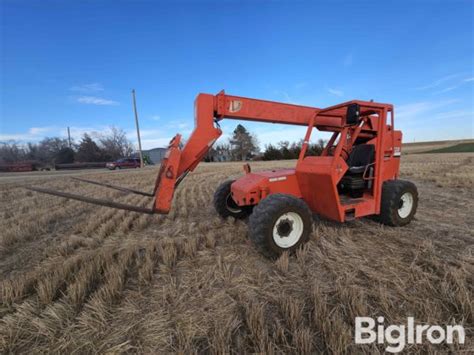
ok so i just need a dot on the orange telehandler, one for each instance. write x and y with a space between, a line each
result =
355 176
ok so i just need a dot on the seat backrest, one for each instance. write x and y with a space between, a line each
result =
361 155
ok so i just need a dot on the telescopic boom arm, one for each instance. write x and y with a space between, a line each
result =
210 109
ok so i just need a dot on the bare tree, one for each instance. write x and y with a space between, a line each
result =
11 152
115 144
44 151
48 149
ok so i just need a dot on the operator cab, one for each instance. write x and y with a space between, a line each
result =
360 161
360 173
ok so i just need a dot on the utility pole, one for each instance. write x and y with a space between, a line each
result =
69 136
138 128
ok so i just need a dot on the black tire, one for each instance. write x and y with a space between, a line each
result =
267 214
225 205
396 194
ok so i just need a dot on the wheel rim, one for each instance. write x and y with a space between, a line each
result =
288 230
405 205
231 205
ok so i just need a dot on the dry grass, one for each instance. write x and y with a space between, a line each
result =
75 277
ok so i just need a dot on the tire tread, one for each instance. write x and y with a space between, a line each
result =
262 218
391 193
220 202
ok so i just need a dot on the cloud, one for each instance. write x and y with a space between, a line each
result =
435 123
155 117
455 86
78 131
155 138
151 138
93 87
155 143
420 109
455 114
144 133
301 85
5 137
181 125
450 88
411 110
434 120
438 82
40 130
286 96
348 59
336 92
93 100
33 134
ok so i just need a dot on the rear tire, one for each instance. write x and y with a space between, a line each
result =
280 223
225 205
399 202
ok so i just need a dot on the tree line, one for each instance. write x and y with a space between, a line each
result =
55 150
243 145
287 150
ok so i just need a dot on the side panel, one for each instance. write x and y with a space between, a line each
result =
253 187
391 162
318 178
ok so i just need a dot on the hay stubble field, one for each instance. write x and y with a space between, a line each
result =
86 279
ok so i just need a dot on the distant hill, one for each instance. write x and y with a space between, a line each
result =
451 146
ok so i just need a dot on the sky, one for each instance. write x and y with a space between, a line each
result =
74 63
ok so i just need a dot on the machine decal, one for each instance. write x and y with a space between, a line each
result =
235 106
281 178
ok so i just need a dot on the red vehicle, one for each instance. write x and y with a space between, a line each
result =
355 176
124 163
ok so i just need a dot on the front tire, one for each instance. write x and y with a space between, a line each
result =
225 205
280 223
399 202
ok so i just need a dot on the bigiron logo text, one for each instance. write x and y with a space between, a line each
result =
397 336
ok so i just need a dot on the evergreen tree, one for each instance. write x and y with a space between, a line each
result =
272 153
88 150
64 156
244 145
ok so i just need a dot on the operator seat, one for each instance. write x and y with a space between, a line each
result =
359 159
360 156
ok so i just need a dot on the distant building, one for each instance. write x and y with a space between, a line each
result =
221 155
156 155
